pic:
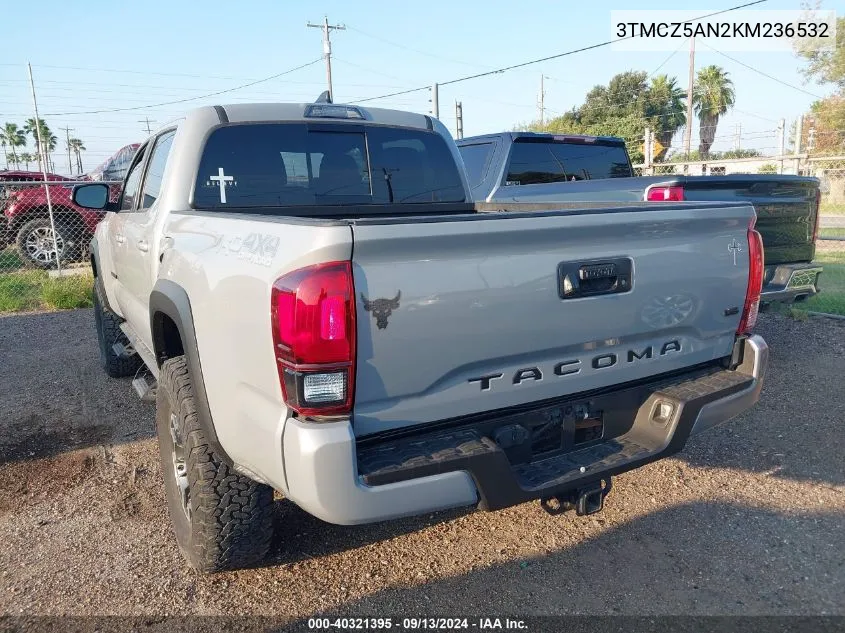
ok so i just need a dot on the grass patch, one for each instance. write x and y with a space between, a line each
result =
9 260
32 290
833 232
832 208
831 299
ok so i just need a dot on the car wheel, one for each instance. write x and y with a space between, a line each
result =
37 247
222 519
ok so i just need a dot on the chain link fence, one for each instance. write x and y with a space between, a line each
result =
44 243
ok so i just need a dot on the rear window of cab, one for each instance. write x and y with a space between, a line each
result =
303 164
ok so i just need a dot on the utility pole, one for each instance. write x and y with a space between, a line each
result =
542 101
690 87
435 101
459 119
146 121
68 130
799 132
738 141
327 48
781 143
648 150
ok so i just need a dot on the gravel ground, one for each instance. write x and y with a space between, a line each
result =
750 519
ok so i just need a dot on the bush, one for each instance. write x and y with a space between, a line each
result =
768 168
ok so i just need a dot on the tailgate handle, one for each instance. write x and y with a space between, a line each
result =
593 278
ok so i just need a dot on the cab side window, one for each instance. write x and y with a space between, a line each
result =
155 170
133 184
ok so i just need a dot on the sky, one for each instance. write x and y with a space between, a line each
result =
103 55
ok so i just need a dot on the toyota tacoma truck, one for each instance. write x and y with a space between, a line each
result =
319 309
529 167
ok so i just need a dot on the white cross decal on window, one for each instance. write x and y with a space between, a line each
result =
222 179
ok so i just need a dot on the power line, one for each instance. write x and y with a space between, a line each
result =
760 72
414 50
548 58
205 96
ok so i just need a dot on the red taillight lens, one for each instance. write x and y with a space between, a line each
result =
755 282
313 316
665 194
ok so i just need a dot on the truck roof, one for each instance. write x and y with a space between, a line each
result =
254 112
607 140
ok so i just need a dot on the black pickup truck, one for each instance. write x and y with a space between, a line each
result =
529 167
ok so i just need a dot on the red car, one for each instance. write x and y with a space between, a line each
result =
27 221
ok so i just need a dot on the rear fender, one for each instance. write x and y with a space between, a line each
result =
169 300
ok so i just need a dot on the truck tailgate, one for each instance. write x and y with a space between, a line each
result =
465 314
786 209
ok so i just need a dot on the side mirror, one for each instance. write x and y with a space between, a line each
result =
93 196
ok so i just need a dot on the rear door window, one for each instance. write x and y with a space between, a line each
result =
296 164
476 161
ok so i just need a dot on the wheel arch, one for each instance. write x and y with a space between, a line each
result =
173 334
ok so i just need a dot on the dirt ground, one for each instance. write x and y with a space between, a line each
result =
750 519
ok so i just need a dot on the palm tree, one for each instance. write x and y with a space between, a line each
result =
12 136
48 139
666 104
26 158
77 147
712 96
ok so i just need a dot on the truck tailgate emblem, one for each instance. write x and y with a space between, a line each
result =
381 308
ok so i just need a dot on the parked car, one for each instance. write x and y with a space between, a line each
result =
528 167
27 221
323 311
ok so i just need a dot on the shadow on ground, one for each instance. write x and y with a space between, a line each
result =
699 558
54 397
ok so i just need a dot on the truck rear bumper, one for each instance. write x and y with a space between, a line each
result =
341 481
791 282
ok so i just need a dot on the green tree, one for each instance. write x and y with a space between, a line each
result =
827 66
26 158
12 136
712 95
48 139
827 116
625 107
77 147
667 110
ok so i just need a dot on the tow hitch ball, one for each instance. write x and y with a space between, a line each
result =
586 500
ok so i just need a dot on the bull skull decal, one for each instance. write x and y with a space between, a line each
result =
381 308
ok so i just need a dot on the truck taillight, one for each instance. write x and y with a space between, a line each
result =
313 317
755 282
662 193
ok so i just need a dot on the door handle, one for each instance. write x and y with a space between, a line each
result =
592 278
143 246
119 238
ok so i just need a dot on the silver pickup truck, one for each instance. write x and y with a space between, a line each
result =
320 309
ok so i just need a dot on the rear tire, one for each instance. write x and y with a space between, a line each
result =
109 333
222 520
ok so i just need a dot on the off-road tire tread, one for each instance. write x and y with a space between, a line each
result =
232 521
114 365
